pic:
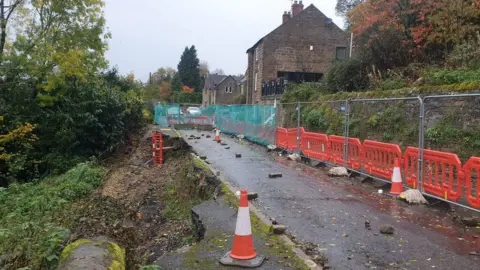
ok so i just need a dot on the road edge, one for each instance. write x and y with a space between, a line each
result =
264 219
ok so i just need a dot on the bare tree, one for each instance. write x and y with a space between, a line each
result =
6 10
218 71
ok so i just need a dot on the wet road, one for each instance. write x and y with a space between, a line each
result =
331 213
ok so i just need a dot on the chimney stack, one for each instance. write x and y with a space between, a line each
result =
286 17
297 8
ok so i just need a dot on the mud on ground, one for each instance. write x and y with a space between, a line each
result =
143 208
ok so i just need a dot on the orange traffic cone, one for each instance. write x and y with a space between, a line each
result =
243 252
397 184
217 135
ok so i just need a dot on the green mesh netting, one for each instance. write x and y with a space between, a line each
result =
167 114
255 122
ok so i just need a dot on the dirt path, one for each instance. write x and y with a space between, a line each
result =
331 213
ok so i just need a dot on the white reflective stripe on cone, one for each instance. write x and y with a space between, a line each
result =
243 222
397 176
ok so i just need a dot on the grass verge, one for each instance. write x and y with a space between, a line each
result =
32 229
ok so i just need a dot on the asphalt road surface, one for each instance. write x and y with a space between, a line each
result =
332 213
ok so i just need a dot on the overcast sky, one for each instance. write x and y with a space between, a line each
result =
148 34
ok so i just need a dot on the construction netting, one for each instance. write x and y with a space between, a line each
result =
167 114
255 122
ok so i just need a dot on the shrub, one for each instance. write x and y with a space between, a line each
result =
348 75
449 76
31 231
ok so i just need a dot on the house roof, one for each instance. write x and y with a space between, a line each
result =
290 21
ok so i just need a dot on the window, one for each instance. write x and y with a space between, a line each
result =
341 53
230 89
256 80
226 89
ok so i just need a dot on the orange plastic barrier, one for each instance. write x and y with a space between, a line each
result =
336 144
379 158
315 145
473 164
442 172
410 165
292 139
282 138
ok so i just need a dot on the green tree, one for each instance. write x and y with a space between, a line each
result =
189 69
176 83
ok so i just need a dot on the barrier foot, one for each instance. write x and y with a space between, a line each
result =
319 164
252 263
352 174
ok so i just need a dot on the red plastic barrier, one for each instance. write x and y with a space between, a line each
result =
197 120
292 139
410 165
282 138
473 164
315 145
378 158
336 146
442 172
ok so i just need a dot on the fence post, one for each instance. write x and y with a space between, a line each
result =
421 142
346 130
298 126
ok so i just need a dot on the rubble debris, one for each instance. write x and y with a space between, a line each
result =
203 157
252 196
208 136
294 157
271 147
223 144
413 196
237 155
386 229
470 222
338 171
241 136
228 147
278 229
367 225
274 175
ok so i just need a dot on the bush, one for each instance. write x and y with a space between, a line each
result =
31 232
449 76
70 124
348 75
181 97
302 92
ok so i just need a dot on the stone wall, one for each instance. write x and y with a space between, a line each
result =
223 95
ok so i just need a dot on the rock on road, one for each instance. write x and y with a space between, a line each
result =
332 213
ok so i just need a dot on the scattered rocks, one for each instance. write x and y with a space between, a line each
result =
271 147
208 136
294 157
203 157
386 229
338 171
278 229
237 155
223 144
367 225
198 138
413 196
470 222
252 196
274 175
227 147
241 136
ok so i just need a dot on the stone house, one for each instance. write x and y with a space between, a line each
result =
222 89
301 49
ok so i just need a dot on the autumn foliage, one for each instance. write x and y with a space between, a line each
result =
187 89
424 29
